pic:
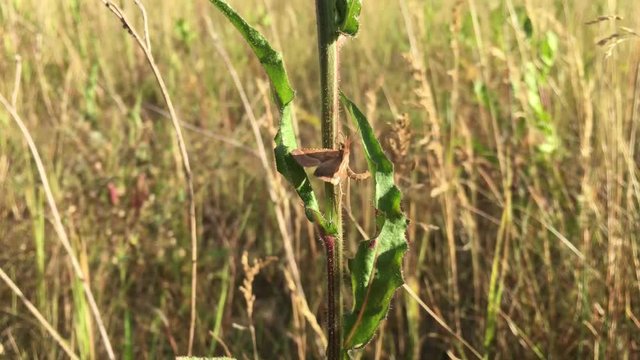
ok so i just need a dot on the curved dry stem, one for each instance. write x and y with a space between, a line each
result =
34 311
145 46
440 321
57 224
227 353
16 82
143 11
206 133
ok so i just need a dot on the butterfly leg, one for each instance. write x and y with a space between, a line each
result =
358 176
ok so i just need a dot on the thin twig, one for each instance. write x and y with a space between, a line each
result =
304 308
146 48
347 207
255 127
146 23
57 224
227 353
196 129
34 311
440 321
16 83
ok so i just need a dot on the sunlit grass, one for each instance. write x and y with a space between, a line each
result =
529 179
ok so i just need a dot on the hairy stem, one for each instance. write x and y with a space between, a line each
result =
328 56
332 329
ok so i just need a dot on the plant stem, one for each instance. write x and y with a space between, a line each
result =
333 331
328 55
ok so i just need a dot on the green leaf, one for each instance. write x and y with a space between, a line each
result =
292 171
549 48
542 121
270 59
376 270
285 139
348 16
527 26
184 31
525 21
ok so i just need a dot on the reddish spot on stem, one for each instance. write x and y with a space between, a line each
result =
329 242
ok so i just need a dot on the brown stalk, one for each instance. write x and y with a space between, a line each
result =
441 166
250 272
47 326
440 321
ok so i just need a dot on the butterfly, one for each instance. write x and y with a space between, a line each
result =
332 165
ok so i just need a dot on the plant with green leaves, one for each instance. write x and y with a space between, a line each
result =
376 269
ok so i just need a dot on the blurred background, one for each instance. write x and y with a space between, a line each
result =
512 125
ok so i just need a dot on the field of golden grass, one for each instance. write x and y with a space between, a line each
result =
513 126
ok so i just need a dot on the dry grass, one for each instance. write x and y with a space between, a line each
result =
520 171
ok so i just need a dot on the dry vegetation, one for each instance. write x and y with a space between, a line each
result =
513 126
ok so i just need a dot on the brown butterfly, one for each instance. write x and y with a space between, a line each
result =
332 164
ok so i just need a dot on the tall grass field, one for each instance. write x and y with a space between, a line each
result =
142 216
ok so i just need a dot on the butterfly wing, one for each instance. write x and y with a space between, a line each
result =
332 164
314 157
328 171
333 171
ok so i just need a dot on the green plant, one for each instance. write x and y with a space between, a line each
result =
376 269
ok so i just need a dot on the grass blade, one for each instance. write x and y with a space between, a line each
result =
348 14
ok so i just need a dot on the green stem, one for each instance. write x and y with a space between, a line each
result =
328 55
